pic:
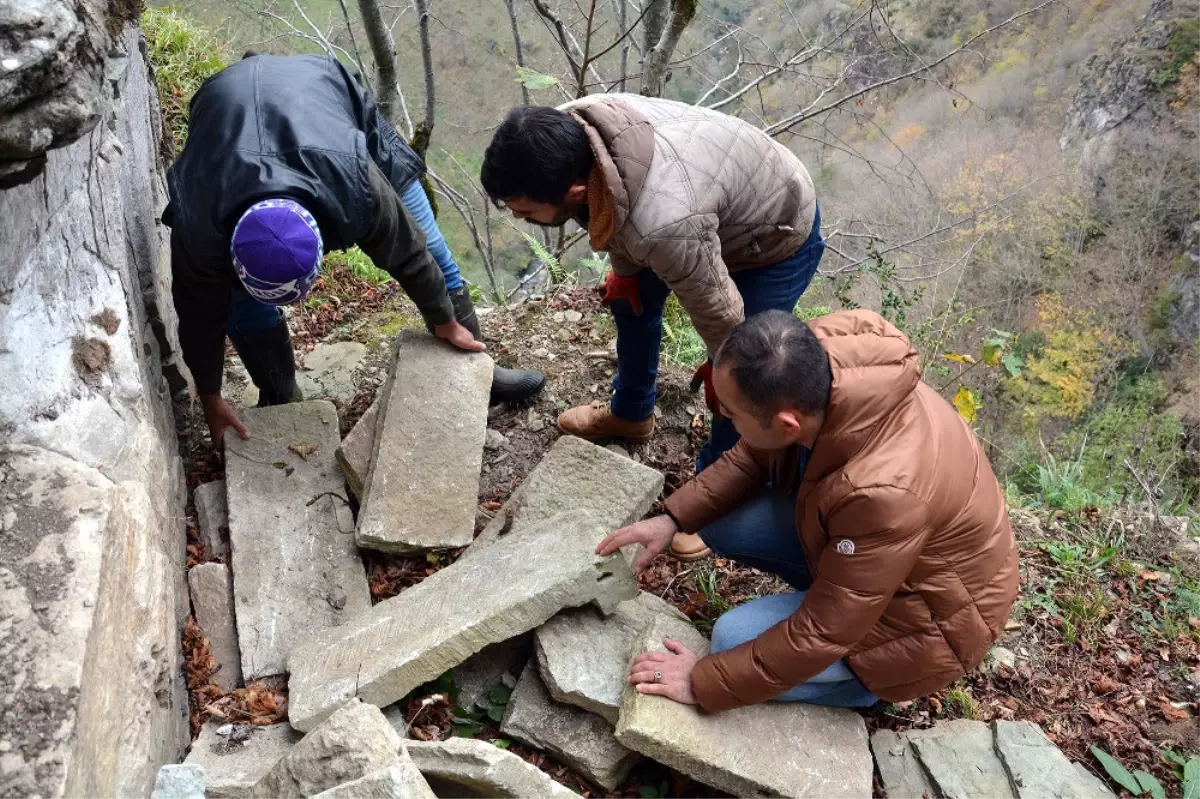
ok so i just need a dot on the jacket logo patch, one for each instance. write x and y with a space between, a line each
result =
845 547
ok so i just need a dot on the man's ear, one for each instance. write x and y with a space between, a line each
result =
577 194
790 422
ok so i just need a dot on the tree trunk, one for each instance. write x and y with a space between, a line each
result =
516 32
654 68
654 19
424 129
383 49
623 25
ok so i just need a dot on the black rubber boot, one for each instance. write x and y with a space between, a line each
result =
269 361
508 385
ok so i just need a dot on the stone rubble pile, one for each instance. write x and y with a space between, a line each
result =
535 628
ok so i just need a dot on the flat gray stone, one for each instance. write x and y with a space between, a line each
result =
401 781
212 513
470 767
902 775
476 676
211 588
178 781
577 475
1098 788
428 449
234 762
1037 767
776 748
328 370
584 655
582 740
961 761
354 453
295 567
417 635
353 742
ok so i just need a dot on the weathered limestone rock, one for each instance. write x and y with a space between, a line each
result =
212 601
234 762
1037 767
776 748
87 338
295 567
411 638
328 370
584 655
177 781
960 760
428 448
476 676
1097 786
577 475
582 740
212 513
469 767
902 775
354 454
401 781
353 742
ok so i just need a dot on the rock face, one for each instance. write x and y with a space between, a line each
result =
468 767
87 354
577 475
352 743
212 513
295 566
428 449
582 740
354 453
211 588
584 655
476 676
235 761
412 638
774 749
401 781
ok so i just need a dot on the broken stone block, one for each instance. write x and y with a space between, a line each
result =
469 767
1097 786
1036 766
212 513
577 475
178 781
960 760
902 775
414 637
295 567
353 742
328 370
776 748
236 756
428 449
584 655
582 740
401 781
476 676
354 453
212 602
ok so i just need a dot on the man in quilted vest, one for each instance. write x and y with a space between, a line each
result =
683 199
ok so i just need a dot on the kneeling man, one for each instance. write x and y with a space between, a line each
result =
861 487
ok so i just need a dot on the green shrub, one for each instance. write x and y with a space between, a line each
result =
183 55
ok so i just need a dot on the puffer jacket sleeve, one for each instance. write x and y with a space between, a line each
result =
687 256
736 476
875 537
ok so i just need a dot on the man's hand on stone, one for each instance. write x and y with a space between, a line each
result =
666 674
459 336
653 534
220 415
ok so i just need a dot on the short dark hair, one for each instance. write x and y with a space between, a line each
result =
777 362
537 152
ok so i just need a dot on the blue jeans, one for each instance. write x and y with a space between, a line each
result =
639 338
762 534
247 315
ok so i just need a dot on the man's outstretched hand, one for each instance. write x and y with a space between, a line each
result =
459 336
653 534
673 670
220 416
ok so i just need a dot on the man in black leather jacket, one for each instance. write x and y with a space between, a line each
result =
287 158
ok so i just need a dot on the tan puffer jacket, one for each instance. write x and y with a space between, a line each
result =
904 530
696 194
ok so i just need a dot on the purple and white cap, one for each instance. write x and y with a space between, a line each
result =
277 251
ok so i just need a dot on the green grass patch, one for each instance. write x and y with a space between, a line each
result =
183 55
1182 48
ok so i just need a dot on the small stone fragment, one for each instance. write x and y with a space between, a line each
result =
469 767
494 440
212 513
354 453
179 781
212 601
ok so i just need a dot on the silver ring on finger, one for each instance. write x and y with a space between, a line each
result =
658 676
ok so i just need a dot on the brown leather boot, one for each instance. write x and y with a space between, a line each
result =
688 547
596 421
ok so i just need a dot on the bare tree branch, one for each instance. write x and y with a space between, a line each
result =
654 74
516 32
383 48
424 129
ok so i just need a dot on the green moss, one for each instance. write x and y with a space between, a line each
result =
183 56
388 326
1182 48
